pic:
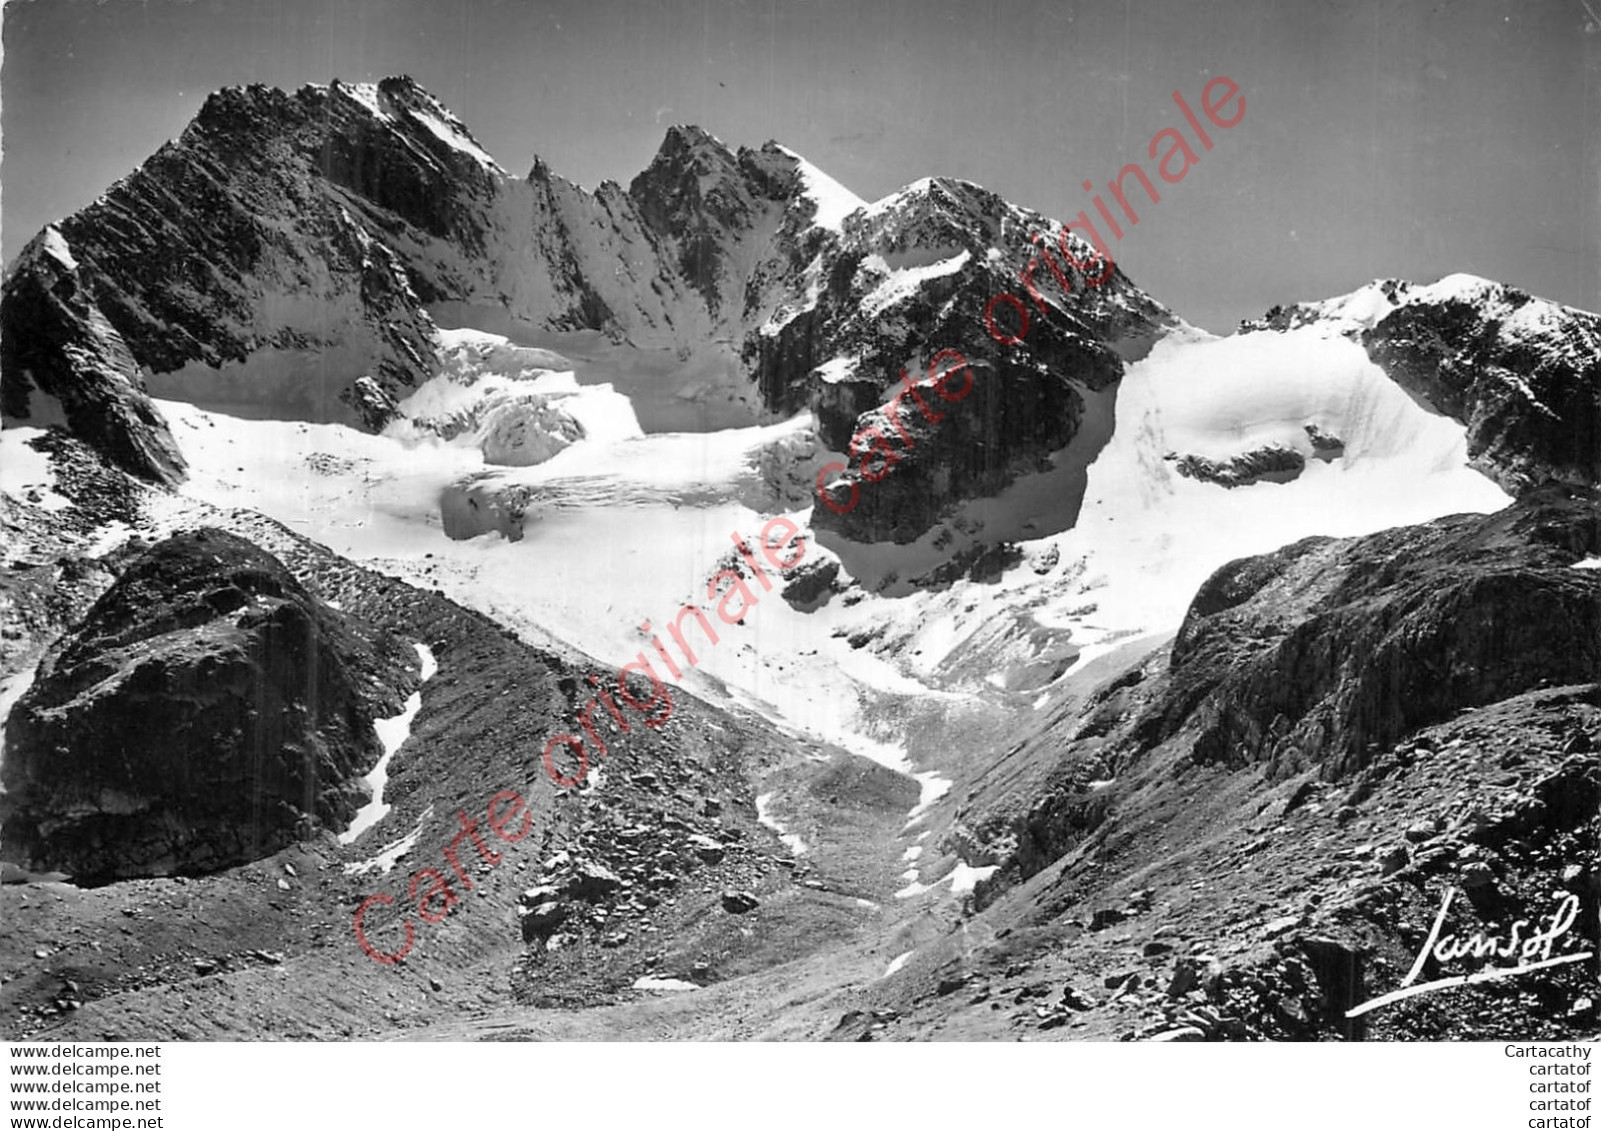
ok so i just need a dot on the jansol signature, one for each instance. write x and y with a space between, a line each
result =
1527 940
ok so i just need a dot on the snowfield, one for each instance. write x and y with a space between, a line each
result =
625 526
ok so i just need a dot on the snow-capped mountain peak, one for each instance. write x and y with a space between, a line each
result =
831 200
1522 372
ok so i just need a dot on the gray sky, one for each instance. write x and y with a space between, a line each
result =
1379 139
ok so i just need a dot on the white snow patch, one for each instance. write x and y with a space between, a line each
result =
1458 286
12 690
625 526
833 200
392 732
897 199
1588 563
764 815
1147 537
455 137
934 787
1368 305
391 853
55 245
1534 318
1362 308
898 961
897 285
664 984
25 469
965 878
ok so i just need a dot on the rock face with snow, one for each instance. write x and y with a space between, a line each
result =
206 712
705 208
283 238
289 255
65 363
1009 419
1522 373
287 238
862 340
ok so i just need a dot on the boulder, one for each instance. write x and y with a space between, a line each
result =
1107 917
208 711
811 583
534 896
592 882
542 920
709 849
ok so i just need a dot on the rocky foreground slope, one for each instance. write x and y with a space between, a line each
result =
1251 832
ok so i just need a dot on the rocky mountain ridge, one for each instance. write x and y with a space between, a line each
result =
1523 374
291 255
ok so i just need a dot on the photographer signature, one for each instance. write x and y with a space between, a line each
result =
1533 948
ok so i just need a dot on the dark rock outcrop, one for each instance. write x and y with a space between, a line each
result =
1324 445
63 362
1311 656
1009 421
206 712
914 276
1531 400
1273 463
699 201
812 584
